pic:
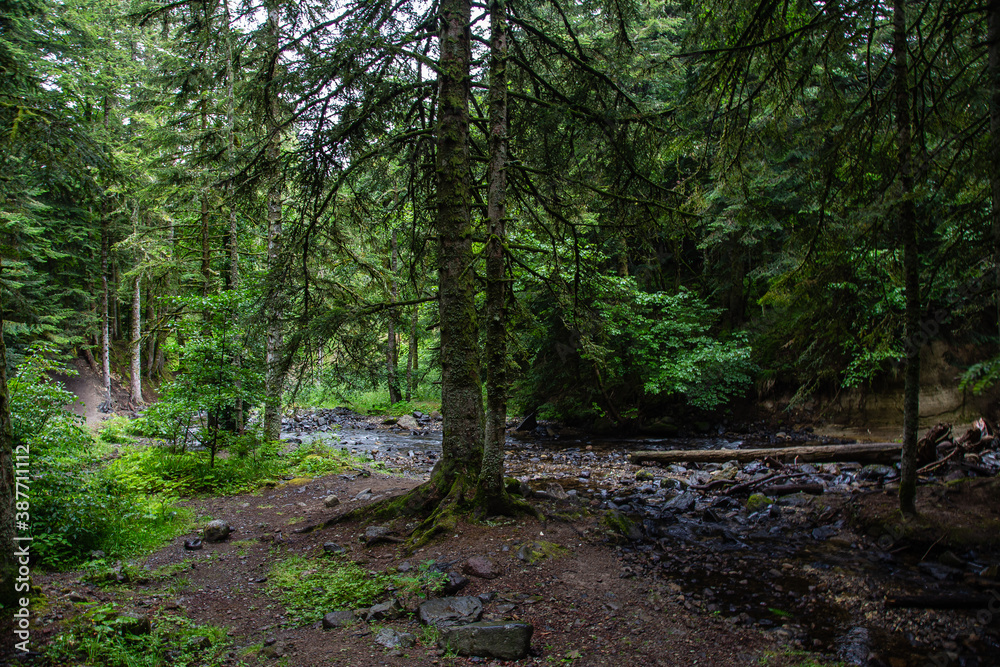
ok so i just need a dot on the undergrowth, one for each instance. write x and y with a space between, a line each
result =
105 636
155 469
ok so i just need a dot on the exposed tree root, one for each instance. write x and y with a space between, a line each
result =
440 508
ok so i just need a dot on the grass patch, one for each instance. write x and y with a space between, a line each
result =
312 587
119 430
155 469
105 636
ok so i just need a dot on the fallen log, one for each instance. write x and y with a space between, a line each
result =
867 452
788 489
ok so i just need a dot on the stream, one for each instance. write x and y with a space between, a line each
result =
791 566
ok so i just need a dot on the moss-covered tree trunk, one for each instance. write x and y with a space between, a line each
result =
461 388
993 41
907 220
491 476
8 564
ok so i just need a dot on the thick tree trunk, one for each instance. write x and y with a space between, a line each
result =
993 41
8 563
461 389
391 350
136 374
911 267
491 475
274 380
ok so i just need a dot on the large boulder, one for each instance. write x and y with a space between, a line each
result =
489 639
444 612
408 422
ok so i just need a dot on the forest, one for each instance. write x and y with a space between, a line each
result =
636 218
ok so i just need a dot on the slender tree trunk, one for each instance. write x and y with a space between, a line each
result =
116 332
274 381
153 336
911 267
206 227
391 352
234 246
105 330
491 475
8 562
411 357
461 388
137 341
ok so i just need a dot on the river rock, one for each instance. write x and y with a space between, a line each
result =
854 647
489 639
444 612
480 567
453 583
338 619
333 548
217 531
383 610
682 503
408 422
390 638
875 472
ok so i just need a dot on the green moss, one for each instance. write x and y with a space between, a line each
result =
757 502
619 523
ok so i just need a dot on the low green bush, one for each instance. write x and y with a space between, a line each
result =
106 636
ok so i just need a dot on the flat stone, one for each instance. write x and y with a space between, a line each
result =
480 567
390 638
338 619
489 639
333 548
384 610
682 503
444 612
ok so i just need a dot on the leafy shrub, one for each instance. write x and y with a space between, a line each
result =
105 636
76 506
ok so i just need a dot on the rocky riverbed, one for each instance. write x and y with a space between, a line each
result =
782 547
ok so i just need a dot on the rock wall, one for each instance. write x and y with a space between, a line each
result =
941 399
